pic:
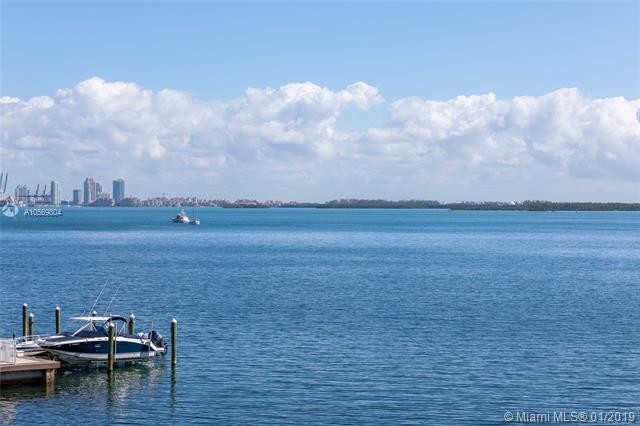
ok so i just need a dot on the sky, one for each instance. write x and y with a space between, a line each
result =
315 101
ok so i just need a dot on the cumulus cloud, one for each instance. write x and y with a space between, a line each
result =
125 122
291 132
562 130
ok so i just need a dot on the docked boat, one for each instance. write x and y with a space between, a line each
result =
90 343
181 218
28 345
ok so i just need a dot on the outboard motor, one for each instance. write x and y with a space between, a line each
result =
157 339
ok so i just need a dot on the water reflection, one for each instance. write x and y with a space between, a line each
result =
10 396
120 383
90 386
172 405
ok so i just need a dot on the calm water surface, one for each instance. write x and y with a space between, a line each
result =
337 316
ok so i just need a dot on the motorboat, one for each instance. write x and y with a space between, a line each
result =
90 343
28 345
181 218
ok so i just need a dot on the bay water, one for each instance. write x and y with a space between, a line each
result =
320 316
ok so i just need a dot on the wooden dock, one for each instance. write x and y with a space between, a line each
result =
28 369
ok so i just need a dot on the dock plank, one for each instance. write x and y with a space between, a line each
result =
30 363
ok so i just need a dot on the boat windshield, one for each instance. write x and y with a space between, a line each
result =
104 327
100 324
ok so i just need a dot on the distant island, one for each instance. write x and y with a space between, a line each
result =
352 203
529 205
345 203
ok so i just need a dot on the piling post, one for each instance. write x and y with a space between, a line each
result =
174 342
31 325
93 314
112 346
24 319
58 320
132 323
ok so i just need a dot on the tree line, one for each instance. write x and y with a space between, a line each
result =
529 205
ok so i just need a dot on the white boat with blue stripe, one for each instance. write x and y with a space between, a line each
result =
90 343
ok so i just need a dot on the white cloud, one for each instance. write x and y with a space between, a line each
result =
563 130
287 137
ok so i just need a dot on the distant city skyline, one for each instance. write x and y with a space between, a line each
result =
421 100
91 190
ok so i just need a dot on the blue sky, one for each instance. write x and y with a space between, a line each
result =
432 51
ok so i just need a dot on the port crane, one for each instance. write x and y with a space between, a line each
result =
31 198
4 177
37 196
42 196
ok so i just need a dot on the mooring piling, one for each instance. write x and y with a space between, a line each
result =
174 341
112 347
58 320
32 322
132 323
24 319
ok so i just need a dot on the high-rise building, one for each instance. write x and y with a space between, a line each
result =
55 193
98 189
118 190
76 197
89 190
22 193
